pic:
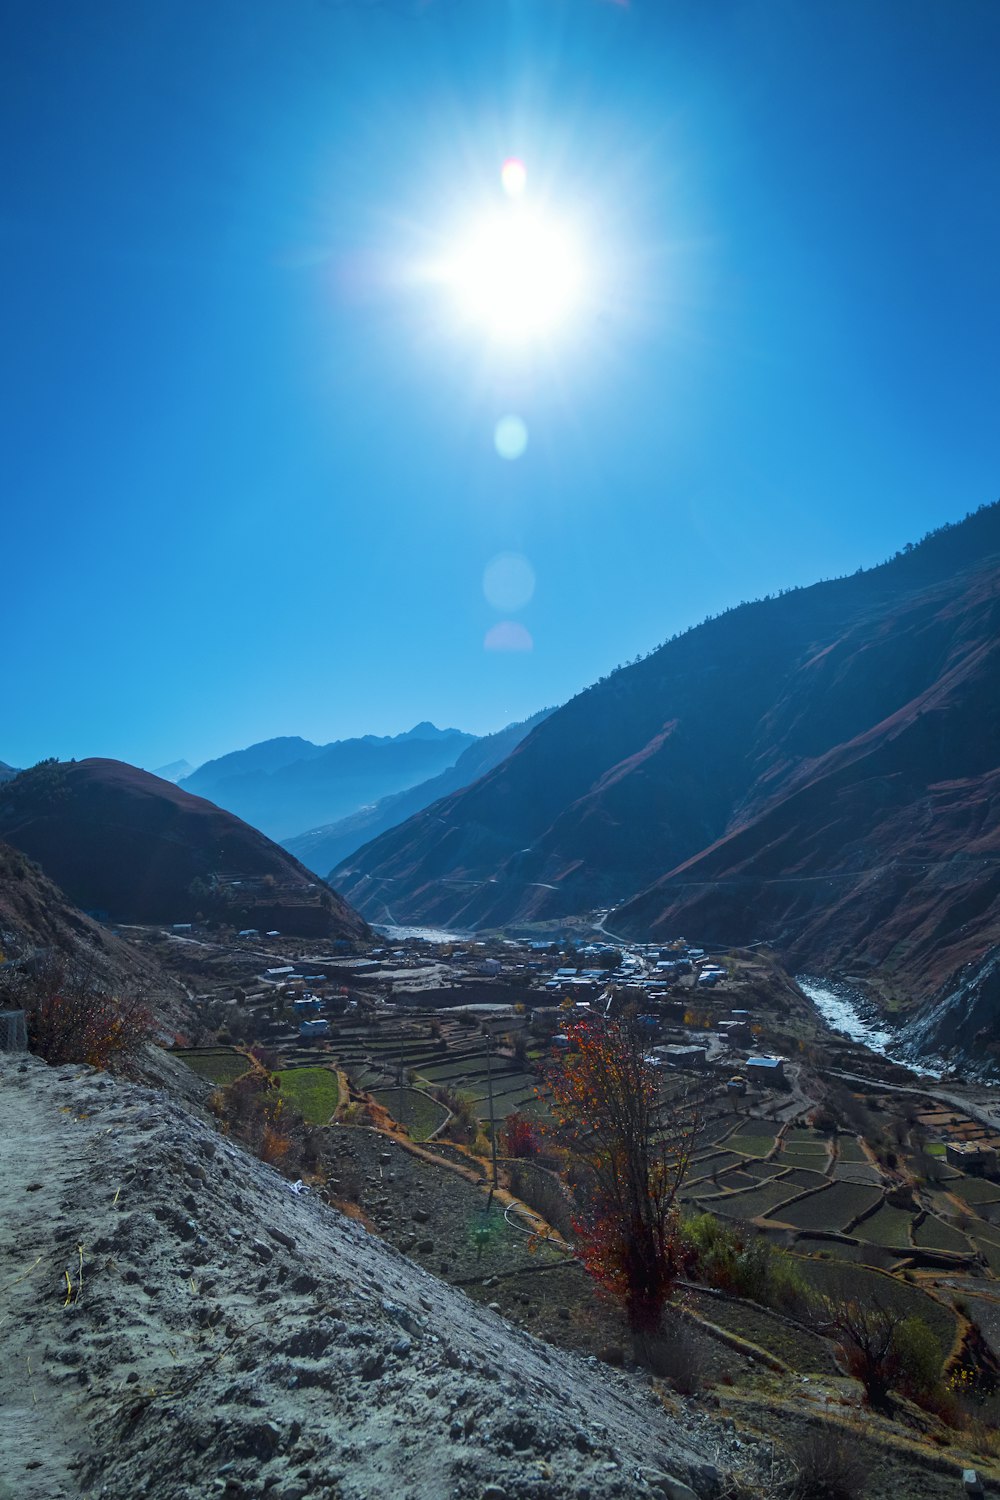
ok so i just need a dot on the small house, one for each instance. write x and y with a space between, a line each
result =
309 1029
971 1156
766 1070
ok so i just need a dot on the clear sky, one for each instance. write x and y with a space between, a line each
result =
250 407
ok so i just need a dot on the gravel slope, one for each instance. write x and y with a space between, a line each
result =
229 1337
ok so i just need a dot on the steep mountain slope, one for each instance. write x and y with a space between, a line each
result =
123 842
847 727
323 848
37 922
284 785
884 853
6 771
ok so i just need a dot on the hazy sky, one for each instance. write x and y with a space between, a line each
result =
250 418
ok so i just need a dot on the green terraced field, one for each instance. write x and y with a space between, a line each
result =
314 1092
831 1207
420 1114
887 1226
220 1065
975 1189
935 1234
762 1170
803 1177
756 1202
990 1251
849 1148
754 1140
843 1279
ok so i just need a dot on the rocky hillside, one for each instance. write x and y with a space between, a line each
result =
125 844
846 733
283 786
322 848
38 923
181 1324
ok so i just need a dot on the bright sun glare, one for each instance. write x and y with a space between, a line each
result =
517 273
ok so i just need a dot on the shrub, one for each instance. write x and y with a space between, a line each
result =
919 1359
735 1259
828 1466
73 1020
520 1136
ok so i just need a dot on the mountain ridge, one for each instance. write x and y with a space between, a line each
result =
123 842
288 784
620 793
323 848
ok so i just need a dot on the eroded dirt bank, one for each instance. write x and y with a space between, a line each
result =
176 1322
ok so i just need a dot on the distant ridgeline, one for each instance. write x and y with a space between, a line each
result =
820 770
284 786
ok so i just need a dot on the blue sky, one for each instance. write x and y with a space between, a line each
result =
249 471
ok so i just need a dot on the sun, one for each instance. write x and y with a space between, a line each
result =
518 275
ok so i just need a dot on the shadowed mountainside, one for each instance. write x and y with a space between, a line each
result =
322 848
284 785
37 922
845 733
121 841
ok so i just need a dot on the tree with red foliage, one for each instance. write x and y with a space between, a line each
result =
520 1136
632 1146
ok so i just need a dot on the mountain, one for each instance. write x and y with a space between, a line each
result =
6 771
122 842
284 785
322 848
175 771
817 769
36 919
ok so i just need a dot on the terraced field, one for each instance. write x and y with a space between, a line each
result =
219 1065
753 1204
796 1346
842 1279
314 1092
887 1226
420 1114
832 1207
755 1138
935 1234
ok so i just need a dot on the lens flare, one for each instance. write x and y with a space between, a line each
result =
508 635
514 177
510 437
509 582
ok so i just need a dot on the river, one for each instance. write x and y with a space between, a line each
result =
850 1012
425 934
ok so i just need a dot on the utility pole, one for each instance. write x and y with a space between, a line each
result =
493 1127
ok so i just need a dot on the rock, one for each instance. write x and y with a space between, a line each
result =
303 1284
372 1365
425 1247
420 1216
671 1488
281 1238
612 1354
493 1492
